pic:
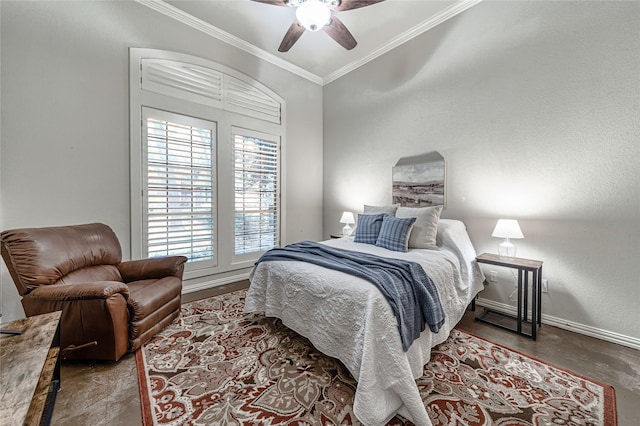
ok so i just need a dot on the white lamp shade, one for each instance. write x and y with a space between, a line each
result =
347 217
313 15
507 228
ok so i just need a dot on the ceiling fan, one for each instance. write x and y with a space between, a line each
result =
316 15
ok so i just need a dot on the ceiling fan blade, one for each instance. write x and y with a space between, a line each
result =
273 2
353 4
340 33
293 34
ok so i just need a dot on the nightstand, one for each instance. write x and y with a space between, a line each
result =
518 324
336 235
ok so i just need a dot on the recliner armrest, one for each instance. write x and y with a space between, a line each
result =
152 268
80 291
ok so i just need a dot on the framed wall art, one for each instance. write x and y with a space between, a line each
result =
419 181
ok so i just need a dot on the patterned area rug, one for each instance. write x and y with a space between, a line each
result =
216 365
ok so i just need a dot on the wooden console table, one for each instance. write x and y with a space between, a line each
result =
30 369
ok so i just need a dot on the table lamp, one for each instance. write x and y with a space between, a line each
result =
507 229
347 218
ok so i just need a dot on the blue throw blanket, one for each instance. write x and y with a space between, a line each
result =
411 293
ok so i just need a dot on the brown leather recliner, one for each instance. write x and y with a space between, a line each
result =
79 270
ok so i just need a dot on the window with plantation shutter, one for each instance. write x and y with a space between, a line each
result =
205 151
257 190
180 181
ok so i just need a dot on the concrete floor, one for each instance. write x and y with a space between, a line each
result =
107 393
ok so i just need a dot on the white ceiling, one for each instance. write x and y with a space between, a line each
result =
258 28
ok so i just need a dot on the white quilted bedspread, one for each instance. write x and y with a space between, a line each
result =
348 318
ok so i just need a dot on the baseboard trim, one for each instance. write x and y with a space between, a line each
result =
214 283
587 330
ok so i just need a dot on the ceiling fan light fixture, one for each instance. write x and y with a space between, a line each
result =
313 15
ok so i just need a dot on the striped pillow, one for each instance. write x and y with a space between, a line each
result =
368 228
394 233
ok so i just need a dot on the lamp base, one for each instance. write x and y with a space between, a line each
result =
506 249
347 230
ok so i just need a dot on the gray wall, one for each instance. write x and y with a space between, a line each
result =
535 107
65 117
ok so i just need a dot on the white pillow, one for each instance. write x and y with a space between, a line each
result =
425 229
390 210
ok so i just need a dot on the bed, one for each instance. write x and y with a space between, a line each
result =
348 318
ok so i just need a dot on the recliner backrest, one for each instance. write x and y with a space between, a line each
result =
61 254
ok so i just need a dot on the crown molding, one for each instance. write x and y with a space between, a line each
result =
213 31
411 33
200 25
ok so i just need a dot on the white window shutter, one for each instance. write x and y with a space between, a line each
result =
257 191
245 99
208 87
180 182
182 80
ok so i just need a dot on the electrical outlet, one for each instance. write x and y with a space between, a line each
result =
545 286
493 276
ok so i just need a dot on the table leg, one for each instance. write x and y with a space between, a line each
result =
519 319
534 305
526 294
540 296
